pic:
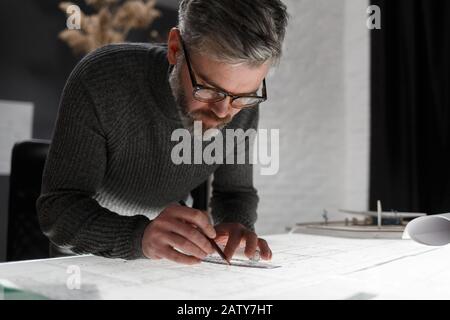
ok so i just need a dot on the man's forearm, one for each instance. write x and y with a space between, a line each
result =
76 221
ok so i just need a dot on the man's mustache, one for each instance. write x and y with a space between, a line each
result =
199 114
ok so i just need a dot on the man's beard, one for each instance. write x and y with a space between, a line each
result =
188 118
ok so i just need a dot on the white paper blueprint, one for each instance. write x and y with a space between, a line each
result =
433 230
311 267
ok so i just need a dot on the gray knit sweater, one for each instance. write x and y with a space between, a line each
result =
109 169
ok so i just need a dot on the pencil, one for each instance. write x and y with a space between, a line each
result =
213 243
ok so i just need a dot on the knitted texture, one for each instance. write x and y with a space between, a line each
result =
109 169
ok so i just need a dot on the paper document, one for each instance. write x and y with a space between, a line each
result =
433 230
311 267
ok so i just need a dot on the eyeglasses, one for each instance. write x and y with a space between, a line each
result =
209 94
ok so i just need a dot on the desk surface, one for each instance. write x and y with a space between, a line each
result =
312 267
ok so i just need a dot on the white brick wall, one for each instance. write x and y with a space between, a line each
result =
319 99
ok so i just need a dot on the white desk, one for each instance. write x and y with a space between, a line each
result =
312 267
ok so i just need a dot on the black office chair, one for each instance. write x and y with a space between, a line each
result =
25 238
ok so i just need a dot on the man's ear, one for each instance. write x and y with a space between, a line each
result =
173 45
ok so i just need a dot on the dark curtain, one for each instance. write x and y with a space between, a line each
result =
410 107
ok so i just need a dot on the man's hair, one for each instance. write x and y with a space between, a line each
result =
234 31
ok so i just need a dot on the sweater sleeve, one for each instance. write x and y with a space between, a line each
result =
234 198
76 164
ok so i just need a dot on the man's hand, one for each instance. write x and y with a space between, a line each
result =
179 227
235 235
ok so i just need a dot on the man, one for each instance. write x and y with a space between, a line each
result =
110 186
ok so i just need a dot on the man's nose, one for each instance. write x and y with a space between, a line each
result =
222 108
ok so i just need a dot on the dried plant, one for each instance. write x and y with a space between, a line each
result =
111 24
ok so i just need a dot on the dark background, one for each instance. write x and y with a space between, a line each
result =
410 106
34 64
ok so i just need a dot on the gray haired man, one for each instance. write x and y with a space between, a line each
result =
110 187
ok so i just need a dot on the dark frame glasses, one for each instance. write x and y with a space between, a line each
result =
209 94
